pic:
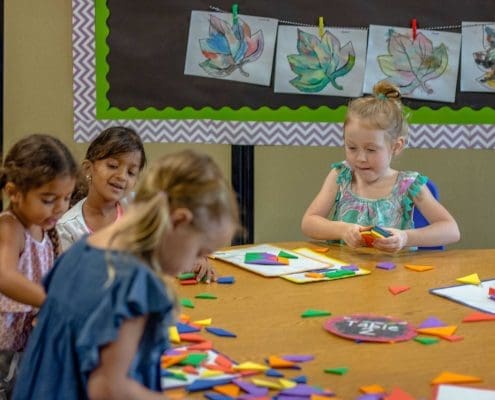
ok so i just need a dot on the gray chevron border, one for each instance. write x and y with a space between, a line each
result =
86 126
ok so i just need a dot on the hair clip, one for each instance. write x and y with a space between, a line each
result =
381 96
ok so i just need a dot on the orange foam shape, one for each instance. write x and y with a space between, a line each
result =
438 331
168 361
398 289
418 268
191 337
278 362
229 389
206 345
479 316
451 377
369 389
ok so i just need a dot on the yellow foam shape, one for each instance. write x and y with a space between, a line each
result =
419 268
267 384
286 383
203 322
438 331
318 257
173 334
451 377
473 279
207 373
250 366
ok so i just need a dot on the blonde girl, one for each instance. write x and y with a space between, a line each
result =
364 190
38 176
103 327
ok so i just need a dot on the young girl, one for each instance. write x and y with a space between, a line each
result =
110 170
103 326
365 191
38 177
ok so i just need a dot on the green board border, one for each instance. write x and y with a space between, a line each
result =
423 115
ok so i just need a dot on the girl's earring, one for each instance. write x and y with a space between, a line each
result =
88 178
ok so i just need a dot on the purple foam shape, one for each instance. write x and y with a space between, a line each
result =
250 388
351 267
385 265
492 297
298 358
371 396
301 390
431 322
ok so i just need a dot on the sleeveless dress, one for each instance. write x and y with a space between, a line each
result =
394 211
16 318
83 312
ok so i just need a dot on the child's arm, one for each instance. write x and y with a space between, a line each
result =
14 284
315 222
442 229
110 379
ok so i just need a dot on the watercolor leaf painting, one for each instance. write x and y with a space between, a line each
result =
485 60
410 63
229 47
320 61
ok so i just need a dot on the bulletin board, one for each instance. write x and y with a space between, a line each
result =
129 69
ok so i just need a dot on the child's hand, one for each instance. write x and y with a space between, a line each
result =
392 244
204 271
352 236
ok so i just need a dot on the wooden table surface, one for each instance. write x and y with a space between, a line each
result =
265 313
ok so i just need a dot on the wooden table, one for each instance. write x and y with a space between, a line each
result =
265 313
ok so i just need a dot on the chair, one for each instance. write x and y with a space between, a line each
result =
420 220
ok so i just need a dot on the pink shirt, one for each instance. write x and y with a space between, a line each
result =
15 318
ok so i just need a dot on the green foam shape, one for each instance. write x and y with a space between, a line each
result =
187 303
426 340
208 296
194 359
336 371
315 313
186 275
286 255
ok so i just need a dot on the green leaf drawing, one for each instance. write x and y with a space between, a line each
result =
411 63
320 61
229 47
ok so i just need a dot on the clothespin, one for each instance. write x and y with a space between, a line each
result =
414 26
321 26
235 11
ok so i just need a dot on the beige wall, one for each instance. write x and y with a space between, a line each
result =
38 98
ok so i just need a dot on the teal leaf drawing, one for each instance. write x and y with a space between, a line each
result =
229 47
410 64
320 61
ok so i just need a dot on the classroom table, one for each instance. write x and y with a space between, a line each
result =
265 313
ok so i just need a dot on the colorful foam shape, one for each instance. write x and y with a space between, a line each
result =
189 282
250 388
387 265
226 280
250 366
300 379
431 322
372 389
266 384
287 255
479 316
204 384
229 389
419 268
438 331
336 371
472 279
202 322
350 267
399 394
301 390
186 328
186 275
315 313
298 357
274 373
278 362
452 377
168 361
173 334
206 345
186 303
217 396
395 290
220 332
287 384
426 340
207 296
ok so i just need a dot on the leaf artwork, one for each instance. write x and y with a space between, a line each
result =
410 64
485 60
229 47
320 61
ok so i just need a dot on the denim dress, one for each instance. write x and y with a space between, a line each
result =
84 310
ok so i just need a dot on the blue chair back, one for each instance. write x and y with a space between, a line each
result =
420 221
